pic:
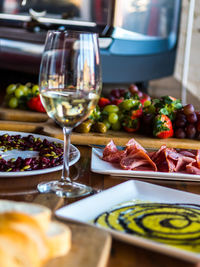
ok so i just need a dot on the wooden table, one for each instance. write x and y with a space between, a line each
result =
122 254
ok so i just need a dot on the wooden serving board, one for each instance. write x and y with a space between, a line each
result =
90 248
35 122
90 245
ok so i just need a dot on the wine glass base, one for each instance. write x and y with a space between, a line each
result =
64 189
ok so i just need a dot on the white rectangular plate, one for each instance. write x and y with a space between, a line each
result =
89 208
100 166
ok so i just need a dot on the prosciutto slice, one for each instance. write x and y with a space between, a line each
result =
112 154
135 157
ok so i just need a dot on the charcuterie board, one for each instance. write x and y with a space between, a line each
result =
35 122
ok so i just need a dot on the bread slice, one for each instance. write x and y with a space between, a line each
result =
28 226
41 213
59 239
19 248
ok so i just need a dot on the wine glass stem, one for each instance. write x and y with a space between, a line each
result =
65 172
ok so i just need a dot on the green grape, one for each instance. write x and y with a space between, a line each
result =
127 104
19 91
107 123
147 103
10 89
111 108
116 126
24 88
13 102
35 89
113 118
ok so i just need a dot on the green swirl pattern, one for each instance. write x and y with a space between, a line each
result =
173 224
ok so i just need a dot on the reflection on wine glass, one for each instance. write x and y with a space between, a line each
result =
70 85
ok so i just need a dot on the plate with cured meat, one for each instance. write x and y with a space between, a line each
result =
135 161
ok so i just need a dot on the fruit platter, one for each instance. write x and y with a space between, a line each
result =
120 114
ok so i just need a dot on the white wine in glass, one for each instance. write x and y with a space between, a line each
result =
70 85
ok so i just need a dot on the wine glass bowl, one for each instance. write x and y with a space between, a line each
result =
70 85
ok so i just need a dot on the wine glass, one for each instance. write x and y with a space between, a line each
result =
70 85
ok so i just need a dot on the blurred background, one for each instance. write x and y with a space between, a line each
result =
142 41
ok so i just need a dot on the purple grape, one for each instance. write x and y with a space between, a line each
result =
192 118
188 109
180 133
180 122
190 131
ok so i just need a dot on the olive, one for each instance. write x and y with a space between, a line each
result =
84 127
99 127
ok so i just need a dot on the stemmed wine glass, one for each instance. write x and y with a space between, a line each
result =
70 85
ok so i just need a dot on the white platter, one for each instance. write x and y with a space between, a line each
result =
100 166
87 209
28 154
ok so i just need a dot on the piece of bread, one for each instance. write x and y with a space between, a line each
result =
41 213
25 240
29 227
59 239
19 248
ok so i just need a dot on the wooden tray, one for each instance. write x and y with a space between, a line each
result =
90 248
35 122
90 245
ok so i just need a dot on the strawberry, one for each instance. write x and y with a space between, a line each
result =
136 113
130 125
35 104
163 127
103 102
117 101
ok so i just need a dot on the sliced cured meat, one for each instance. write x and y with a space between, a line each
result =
162 160
112 154
192 169
110 148
133 145
114 157
198 158
137 158
156 154
187 153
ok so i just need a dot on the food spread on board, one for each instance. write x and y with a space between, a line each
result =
135 157
129 110
173 224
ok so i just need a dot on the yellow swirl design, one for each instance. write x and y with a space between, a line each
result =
173 224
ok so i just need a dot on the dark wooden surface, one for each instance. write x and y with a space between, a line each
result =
122 254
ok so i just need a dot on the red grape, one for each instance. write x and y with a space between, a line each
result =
188 109
190 131
198 126
147 118
180 133
192 118
180 115
140 94
198 115
180 122
133 89
115 93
